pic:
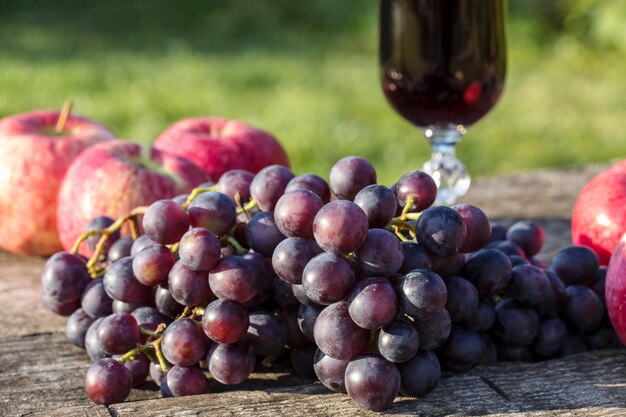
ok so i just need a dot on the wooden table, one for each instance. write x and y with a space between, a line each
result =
41 373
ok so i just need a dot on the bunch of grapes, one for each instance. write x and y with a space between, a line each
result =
371 289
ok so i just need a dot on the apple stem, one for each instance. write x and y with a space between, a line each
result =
65 113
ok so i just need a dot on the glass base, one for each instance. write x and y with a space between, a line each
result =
449 173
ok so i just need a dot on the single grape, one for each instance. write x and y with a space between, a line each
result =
420 374
262 234
574 344
448 266
490 356
139 367
483 317
214 211
64 278
225 321
152 265
556 296
307 315
76 327
381 254
121 307
490 271
266 334
180 199
372 303
528 235
508 353
420 187
300 294
236 182
108 382
350 175
575 265
379 204
295 211
118 333
100 223
398 341
478 227
120 249
149 316
199 249
599 285
551 337
59 308
291 256
184 343
231 364
294 338
515 325
165 222
330 371
166 303
327 278
372 382
434 331
156 373
421 293
498 232
95 301
583 309
518 260
187 381
188 287
604 338
93 348
462 299
414 257
140 244
269 184
120 282
282 293
462 351
441 231
337 335
529 285
340 227
506 247
302 360
310 182
234 278
164 388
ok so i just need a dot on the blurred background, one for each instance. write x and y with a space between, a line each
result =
308 73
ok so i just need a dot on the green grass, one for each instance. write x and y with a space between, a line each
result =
305 71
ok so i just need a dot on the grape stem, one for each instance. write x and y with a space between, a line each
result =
195 193
233 242
247 207
407 207
159 354
397 225
147 331
131 354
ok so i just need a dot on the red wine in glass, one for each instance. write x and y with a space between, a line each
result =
443 64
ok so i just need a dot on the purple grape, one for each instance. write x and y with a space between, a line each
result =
490 271
140 244
266 334
291 256
149 316
214 211
448 266
372 303
508 353
599 285
76 327
282 293
188 287
420 374
518 260
152 265
122 307
340 227
350 175
93 348
183 381
310 182
398 341
490 356
199 249
529 285
269 184
120 283
327 278
381 254
64 278
379 204
483 317
507 248
462 300
302 360
184 343
262 233
575 265
462 351
498 232
231 364
337 335
300 294
583 309
419 186
120 249
118 333
528 235
556 296
108 382
166 304
225 321
421 293
478 227
156 373
574 344
295 211
414 257
441 231
165 222
307 315
330 371
294 339
180 199
164 388
59 308
236 182
435 331
101 223
95 300
234 278
515 325
372 382
604 338
139 367
551 337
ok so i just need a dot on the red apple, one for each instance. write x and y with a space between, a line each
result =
217 145
599 218
33 160
616 289
113 178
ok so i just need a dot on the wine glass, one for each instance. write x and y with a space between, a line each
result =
443 64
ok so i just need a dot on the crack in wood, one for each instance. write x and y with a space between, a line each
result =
495 388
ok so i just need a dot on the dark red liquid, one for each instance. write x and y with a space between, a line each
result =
442 61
